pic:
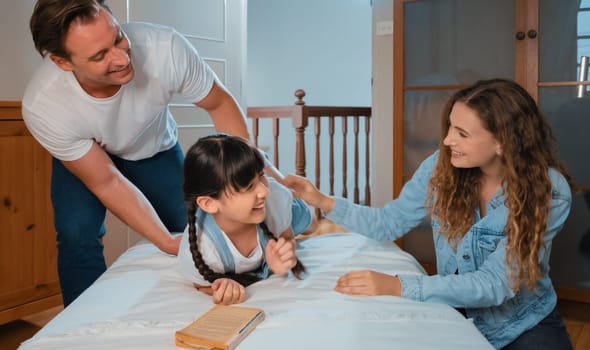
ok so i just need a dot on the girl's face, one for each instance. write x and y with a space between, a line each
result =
243 207
470 143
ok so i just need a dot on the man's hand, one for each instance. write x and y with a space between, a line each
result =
172 245
227 291
280 255
368 282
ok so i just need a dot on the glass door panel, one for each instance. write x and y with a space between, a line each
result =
564 37
443 52
443 41
569 117
422 113
558 56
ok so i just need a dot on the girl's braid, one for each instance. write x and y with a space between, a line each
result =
299 268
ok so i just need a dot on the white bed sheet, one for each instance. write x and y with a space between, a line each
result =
142 300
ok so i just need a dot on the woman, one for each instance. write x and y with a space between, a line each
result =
497 196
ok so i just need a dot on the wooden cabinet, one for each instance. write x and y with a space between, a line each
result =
28 248
444 45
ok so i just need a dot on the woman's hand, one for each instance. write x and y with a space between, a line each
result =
280 255
227 291
304 189
368 282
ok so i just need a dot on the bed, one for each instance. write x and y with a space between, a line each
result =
142 299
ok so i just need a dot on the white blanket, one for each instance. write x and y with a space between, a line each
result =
142 300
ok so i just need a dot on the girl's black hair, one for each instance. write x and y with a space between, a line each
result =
214 164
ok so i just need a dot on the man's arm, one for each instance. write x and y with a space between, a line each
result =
121 197
225 112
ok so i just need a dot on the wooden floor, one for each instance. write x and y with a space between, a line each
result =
14 333
577 320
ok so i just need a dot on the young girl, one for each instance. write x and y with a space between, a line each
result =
497 196
227 244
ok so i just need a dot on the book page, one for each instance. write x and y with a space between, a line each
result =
222 324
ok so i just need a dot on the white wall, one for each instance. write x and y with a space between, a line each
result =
382 60
323 47
18 57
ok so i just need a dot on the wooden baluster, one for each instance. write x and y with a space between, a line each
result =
300 123
331 141
317 129
255 130
356 159
344 157
367 161
318 132
275 134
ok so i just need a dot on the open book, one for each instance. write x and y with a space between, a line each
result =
222 327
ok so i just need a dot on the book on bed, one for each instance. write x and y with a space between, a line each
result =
222 327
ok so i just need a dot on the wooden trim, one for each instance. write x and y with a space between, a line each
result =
10 110
532 50
526 51
563 83
434 87
398 96
573 294
21 311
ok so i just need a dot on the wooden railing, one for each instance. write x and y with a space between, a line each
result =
300 115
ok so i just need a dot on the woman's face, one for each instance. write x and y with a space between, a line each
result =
470 143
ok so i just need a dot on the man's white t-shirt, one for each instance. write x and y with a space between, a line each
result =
133 124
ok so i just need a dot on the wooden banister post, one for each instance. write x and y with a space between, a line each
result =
300 123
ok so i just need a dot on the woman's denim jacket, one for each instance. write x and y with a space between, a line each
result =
474 276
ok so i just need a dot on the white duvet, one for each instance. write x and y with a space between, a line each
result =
142 300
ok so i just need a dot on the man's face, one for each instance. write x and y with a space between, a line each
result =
99 55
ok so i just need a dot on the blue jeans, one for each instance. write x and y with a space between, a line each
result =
549 334
79 215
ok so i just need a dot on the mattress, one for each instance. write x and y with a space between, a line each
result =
142 299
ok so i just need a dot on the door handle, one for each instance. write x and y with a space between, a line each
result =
532 33
583 75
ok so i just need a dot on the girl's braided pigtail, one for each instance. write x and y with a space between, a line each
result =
299 268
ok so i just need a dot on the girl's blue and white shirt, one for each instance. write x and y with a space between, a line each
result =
473 275
283 211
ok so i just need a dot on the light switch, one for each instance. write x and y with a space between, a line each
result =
384 28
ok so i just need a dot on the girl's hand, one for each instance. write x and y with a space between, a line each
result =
227 291
280 255
304 189
368 282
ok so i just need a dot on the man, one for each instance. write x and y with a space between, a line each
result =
99 104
